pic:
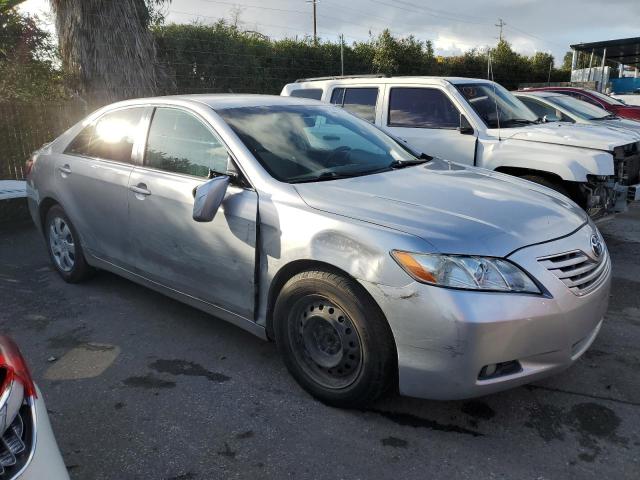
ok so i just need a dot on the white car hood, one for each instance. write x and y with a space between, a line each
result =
576 135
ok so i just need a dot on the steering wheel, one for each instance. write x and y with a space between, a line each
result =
343 151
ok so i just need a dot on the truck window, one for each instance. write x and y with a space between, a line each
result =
312 93
421 108
359 101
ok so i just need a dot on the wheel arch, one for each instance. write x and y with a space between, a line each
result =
521 171
295 267
44 207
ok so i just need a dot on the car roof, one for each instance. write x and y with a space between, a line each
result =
538 93
220 101
385 80
556 89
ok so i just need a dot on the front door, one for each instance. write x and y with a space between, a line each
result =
429 122
211 261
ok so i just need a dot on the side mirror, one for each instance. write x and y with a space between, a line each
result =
550 118
465 127
208 198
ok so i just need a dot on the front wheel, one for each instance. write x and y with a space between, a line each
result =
334 339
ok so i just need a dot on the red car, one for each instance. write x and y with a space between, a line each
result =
598 99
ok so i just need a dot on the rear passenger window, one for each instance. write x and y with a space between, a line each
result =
359 101
337 96
312 93
422 108
179 142
111 137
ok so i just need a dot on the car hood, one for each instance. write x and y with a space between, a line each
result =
576 135
627 110
456 209
630 127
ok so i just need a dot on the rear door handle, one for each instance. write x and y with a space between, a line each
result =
140 190
65 170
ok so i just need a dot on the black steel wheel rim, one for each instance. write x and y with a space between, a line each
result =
325 342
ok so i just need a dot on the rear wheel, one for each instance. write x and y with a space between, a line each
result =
334 339
557 186
65 248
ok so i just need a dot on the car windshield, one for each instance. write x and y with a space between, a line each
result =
578 108
605 98
496 106
300 143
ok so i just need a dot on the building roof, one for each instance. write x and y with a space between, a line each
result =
624 50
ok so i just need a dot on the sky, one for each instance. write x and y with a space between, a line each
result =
453 26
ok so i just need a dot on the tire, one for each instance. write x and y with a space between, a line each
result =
65 249
334 339
545 182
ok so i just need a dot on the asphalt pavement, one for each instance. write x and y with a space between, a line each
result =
139 386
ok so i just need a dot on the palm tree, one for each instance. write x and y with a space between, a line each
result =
107 49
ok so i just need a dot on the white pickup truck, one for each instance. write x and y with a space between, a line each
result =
478 122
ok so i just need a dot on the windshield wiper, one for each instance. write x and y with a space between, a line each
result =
423 158
611 116
523 121
327 176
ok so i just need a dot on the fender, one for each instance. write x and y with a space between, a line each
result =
362 250
571 164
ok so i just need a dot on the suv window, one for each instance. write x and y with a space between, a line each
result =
179 142
422 108
110 137
312 93
360 101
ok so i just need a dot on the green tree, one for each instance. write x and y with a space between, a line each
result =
28 58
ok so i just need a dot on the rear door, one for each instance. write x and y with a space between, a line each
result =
211 261
92 178
427 119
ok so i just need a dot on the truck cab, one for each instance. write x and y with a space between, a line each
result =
478 122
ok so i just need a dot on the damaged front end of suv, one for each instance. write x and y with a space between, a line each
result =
604 195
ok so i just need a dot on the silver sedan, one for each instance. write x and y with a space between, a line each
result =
372 266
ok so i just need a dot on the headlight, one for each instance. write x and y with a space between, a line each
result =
466 272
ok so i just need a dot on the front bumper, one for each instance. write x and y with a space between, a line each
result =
45 460
445 337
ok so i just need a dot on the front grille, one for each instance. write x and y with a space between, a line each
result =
16 444
579 272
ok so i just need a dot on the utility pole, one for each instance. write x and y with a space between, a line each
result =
315 20
342 55
501 24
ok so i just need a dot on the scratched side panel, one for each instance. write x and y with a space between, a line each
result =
290 231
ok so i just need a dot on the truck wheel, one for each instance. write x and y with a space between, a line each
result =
65 248
334 340
558 187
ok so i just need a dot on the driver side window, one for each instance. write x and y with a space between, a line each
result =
179 142
541 109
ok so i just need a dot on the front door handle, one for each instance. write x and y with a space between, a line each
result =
140 190
65 170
